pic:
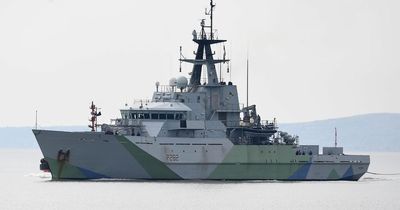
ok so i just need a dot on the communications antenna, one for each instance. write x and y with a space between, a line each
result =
335 137
247 77
36 120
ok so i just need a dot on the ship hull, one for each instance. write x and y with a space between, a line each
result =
95 155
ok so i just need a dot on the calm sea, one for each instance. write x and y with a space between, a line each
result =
23 186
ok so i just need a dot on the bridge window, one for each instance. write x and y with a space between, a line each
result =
178 116
124 115
154 116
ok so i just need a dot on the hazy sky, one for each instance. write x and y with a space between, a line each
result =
309 59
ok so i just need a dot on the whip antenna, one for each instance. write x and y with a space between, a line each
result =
335 137
36 120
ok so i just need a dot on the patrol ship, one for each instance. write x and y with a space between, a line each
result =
192 129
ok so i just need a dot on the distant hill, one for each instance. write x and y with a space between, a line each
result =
22 137
370 132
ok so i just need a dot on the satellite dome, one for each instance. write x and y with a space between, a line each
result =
172 82
181 82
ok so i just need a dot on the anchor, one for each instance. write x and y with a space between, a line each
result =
62 157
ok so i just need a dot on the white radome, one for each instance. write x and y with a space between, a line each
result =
172 82
181 82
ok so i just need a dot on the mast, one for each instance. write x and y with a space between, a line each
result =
204 53
93 119
211 20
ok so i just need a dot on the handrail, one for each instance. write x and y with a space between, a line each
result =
205 36
264 123
169 88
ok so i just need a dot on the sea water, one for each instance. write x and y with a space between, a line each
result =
24 186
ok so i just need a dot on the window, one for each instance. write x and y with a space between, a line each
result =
170 116
163 116
146 116
154 116
183 123
178 116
